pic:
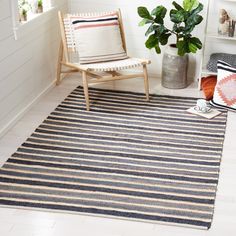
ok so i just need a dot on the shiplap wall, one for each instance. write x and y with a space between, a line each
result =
134 34
27 65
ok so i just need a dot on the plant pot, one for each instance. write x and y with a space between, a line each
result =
174 69
23 17
40 9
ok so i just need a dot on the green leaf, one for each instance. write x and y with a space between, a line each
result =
158 49
177 16
144 13
192 47
198 9
188 45
197 42
159 13
151 29
177 6
160 30
177 28
190 5
152 41
197 19
143 22
182 47
164 38
191 22
188 29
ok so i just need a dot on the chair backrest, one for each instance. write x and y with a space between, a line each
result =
67 35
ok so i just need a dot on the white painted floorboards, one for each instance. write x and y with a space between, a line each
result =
15 222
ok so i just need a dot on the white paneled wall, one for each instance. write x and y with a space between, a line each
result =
27 65
135 34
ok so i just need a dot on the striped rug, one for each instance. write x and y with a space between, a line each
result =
127 158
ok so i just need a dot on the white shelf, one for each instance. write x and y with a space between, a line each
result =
211 37
222 37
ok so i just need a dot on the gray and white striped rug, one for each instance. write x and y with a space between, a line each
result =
127 158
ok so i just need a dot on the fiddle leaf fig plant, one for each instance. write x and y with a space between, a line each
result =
184 17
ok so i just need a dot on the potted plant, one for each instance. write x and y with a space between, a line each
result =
185 18
24 7
40 6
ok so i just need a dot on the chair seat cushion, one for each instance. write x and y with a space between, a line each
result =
225 90
115 65
98 38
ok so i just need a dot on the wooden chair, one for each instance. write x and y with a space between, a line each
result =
97 72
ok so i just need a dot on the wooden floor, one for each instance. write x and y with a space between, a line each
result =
15 222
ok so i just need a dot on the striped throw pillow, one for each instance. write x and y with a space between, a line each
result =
225 90
98 38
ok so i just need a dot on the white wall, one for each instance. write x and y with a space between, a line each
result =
27 65
135 34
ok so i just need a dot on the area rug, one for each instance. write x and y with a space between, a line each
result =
126 158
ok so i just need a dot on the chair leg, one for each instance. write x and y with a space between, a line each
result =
59 66
86 93
146 81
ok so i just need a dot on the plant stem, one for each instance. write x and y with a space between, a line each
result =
173 32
